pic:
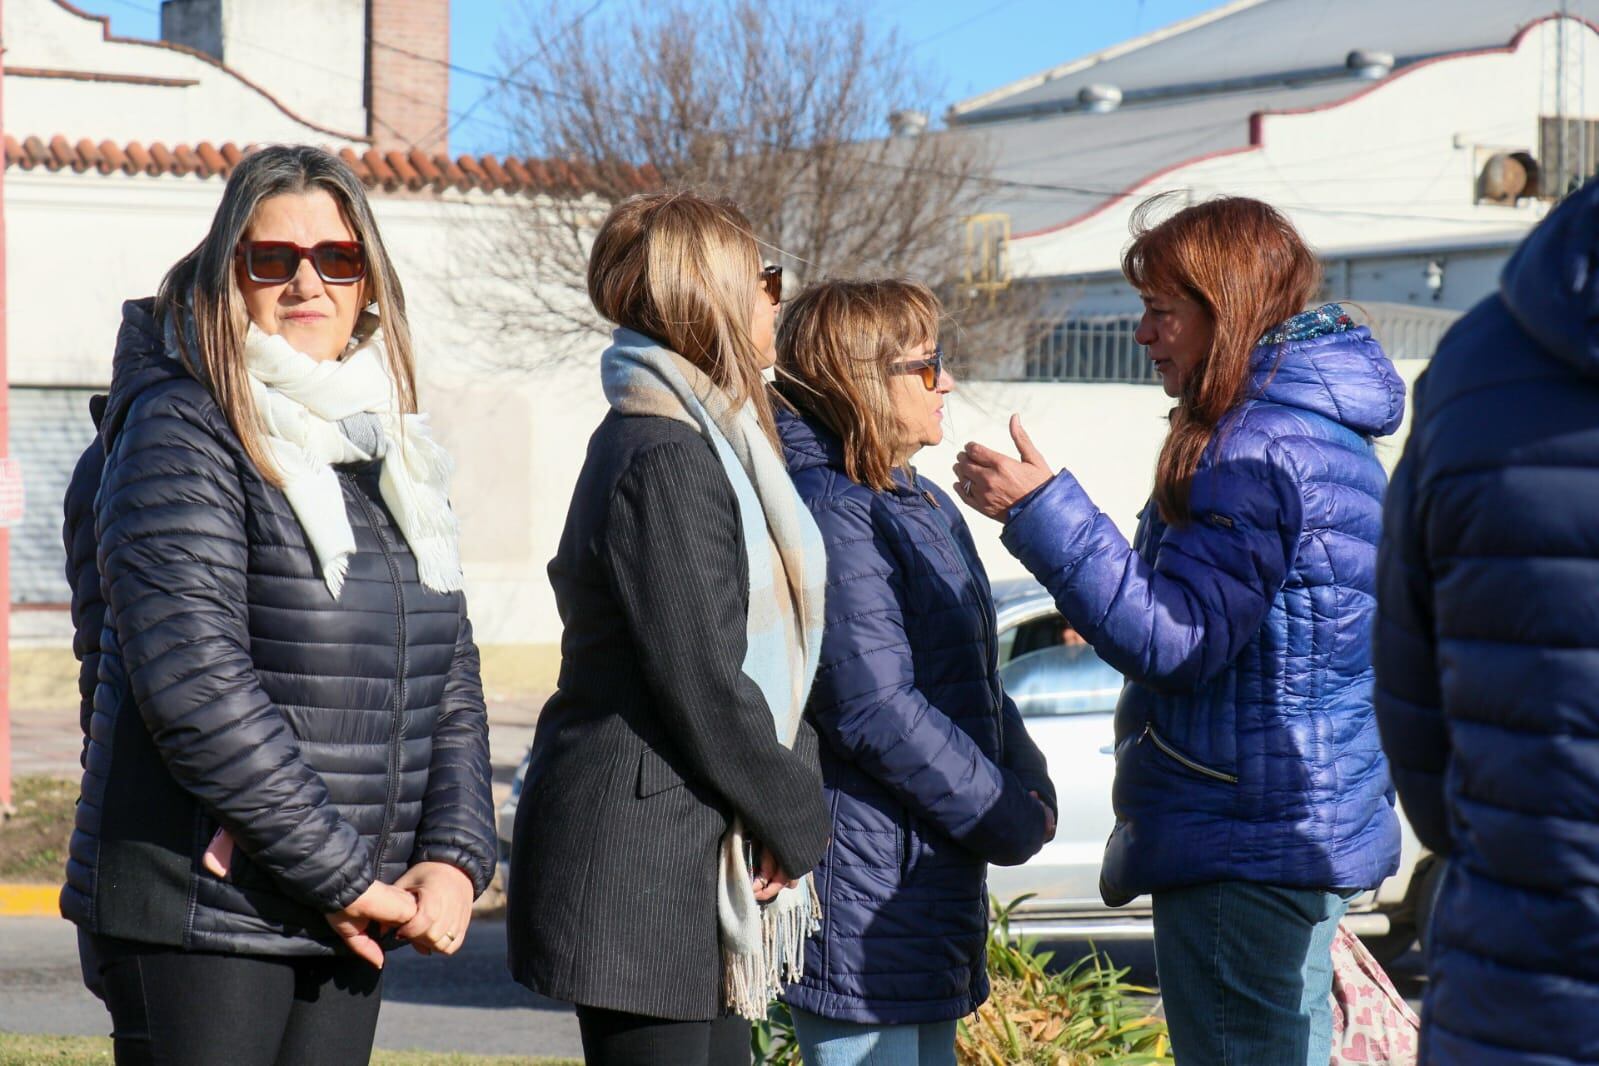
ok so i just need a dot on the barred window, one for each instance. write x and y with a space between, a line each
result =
1091 348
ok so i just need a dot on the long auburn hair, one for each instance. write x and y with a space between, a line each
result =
680 269
204 286
1247 266
834 347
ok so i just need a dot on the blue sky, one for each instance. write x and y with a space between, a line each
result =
972 45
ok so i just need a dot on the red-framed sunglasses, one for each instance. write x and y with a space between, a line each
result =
772 282
275 262
930 369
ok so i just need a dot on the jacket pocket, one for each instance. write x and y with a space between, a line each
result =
907 843
655 775
1173 753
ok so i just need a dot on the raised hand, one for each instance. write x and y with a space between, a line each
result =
992 482
380 904
443 907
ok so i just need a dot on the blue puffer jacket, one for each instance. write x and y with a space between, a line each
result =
1246 748
925 764
1488 656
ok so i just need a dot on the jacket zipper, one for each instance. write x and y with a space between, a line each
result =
390 799
989 639
1173 753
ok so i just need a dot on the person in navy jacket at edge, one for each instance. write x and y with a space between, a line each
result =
1252 798
1488 656
927 768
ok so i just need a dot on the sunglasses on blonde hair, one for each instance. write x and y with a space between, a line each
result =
275 262
930 369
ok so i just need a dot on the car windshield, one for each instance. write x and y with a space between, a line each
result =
1064 679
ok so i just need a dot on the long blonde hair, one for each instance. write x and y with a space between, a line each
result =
203 286
681 270
834 349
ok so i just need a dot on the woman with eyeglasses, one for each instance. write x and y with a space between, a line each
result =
286 762
672 809
927 768
1252 798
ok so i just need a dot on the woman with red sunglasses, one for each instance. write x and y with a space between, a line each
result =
286 758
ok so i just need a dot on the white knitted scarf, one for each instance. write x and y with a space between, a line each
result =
301 402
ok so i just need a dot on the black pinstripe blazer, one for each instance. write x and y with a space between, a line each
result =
654 739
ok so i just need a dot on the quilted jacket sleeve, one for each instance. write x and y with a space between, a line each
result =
867 706
672 548
83 577
173 555
1415 736
457 824
1180 622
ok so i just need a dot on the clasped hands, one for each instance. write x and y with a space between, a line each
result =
992 482
430 906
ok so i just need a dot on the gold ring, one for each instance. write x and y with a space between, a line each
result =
447 937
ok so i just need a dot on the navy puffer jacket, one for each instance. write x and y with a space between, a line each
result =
1488 656
1246 748
925 764
338 741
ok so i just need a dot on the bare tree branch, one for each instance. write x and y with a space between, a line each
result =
780 107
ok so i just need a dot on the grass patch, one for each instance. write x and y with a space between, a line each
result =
44 678
23 1049
33 843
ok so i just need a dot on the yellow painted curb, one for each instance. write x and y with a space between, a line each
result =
30 901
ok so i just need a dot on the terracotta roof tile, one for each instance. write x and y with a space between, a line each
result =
111 158
414 171
214 163
141 159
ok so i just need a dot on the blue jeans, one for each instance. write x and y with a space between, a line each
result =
825 1042
1246 972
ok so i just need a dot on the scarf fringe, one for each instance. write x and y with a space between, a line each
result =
752 982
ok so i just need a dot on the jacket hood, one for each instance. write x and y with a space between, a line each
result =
141 361
807 444
1551 286
1342 375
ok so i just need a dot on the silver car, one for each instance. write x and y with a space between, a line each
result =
1068 696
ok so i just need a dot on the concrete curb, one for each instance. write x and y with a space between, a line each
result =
30 901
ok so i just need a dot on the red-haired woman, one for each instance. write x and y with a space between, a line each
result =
1251 796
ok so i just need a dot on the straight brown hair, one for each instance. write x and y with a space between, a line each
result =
1246 265
681 269
835 345
203 286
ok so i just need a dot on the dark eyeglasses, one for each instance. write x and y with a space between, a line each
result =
930 369
275 262
772 282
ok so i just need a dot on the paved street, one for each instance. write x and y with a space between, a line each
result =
466 1003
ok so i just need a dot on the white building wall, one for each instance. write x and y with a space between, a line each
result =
1397 164
310 54
519 439
219 107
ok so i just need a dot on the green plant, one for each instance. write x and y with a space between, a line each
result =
1086 1014
772 1041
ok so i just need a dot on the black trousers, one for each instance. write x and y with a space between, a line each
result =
171 1007
615 1038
